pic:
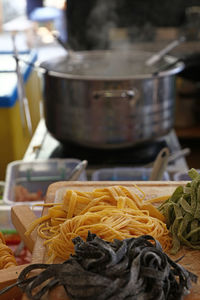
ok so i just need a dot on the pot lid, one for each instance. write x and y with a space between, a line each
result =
110 65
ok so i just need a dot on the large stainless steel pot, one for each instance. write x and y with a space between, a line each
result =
108 99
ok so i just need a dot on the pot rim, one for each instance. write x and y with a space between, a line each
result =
178 69
175 67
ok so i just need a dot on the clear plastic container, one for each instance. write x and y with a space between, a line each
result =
5 217
182 176
37 176
124 174
6 220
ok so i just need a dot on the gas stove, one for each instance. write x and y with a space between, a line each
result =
44 146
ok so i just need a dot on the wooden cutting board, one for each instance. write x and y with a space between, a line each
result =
191 259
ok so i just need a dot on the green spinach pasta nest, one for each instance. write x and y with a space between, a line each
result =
182 213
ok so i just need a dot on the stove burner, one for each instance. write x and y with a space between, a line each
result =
137 155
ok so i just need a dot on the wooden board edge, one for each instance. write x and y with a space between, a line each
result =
109 183
22 216
8 277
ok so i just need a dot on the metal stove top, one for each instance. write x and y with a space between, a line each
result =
44 146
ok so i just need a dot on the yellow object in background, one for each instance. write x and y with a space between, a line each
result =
14 139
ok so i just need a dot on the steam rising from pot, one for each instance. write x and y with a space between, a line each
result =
101 19
89 23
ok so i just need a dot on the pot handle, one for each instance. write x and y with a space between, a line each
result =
113 94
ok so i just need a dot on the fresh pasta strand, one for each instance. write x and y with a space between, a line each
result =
112 213
158 199
7 258
109 225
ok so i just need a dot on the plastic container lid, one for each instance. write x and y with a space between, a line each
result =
124 174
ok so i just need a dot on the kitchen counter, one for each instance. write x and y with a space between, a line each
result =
193 143
189 132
